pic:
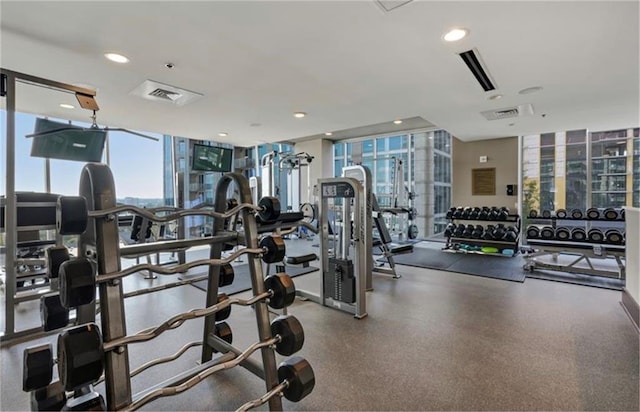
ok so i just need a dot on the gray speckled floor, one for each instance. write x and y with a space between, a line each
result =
432 341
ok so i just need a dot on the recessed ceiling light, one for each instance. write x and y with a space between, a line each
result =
511 124
223 134
495 97
455 34
299 114
530 90
67 106
115 57
397 121
328 134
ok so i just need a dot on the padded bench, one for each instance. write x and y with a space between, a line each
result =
301 260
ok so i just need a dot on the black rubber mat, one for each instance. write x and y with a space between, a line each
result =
578 279
242 280
428 258
496 267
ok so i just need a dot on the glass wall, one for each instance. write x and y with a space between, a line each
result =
441 179
581 169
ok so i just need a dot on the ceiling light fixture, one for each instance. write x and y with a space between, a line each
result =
299 115
67 106
328 134
397 121
455 34
115 57
495 97
223 134
530 90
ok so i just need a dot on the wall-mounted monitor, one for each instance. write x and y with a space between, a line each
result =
71 143
212 158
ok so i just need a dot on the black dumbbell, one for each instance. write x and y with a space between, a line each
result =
50 398
450 213
593 213
56 255
458 213
576 214
227 275
503 214
466 213
459 230
533 232
533 214
578 234
614 236
563 233
448 231
475 213
52 313
484 213
547 233
270 209
595 236
37 367
561 213
77 283
546 214
621 214
71 215
511 234
298 374
275 249
610 213
477 232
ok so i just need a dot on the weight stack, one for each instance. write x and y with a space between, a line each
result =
339 281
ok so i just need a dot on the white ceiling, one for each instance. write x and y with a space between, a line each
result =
348 64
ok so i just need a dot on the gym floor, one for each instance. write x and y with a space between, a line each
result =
433 340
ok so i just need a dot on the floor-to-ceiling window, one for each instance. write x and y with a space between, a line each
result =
441 179
581 169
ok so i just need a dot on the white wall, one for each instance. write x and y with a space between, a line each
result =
502 154
632 257
322 164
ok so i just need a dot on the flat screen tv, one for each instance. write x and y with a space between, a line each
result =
73 143
211 158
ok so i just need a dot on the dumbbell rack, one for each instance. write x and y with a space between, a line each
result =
453 243
97 242
583 251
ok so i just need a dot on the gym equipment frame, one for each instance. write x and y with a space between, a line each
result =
343 281
8 80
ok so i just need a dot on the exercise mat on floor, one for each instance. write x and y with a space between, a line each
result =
242 280
496 267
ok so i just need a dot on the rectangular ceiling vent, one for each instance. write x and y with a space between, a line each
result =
509 112
160 92
388 5
472 59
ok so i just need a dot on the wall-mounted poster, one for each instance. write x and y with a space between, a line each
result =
483 182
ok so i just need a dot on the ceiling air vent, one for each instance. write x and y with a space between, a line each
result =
160 92
472 59
388 5
509 112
